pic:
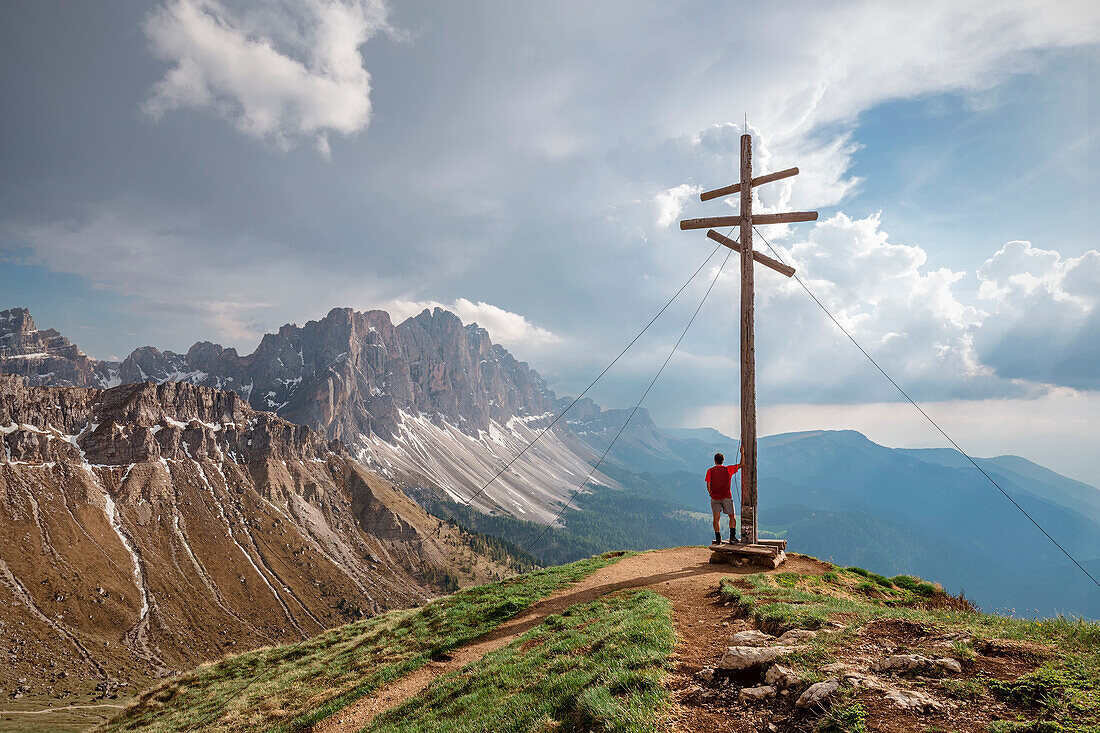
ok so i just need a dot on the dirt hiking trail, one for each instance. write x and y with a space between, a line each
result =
684 575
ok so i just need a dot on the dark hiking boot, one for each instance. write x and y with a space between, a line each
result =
733 541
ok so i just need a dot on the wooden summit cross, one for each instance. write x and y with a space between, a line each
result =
771 551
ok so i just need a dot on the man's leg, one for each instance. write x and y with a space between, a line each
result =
731 512
717 512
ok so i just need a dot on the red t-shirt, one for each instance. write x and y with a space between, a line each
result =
718 481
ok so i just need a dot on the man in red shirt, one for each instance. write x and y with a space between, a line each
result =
718 484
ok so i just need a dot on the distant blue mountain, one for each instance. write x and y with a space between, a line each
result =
837 494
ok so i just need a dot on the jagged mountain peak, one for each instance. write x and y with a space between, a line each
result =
16 319
431 363
431 400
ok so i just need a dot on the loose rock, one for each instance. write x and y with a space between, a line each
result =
818 693
858 680
899 663
752 637
781 676
913 700
757 693
706 674
949 665
796 636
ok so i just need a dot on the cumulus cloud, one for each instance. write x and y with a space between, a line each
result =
1027 323
905 50
279 72
671 202
919 321
506 328
1044 322
909 315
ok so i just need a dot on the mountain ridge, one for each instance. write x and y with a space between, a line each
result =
149 527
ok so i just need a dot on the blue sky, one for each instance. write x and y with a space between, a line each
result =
194 170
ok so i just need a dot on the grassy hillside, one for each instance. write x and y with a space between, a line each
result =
598 666
295 685
624 656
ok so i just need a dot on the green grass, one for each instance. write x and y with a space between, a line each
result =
596 667
849 718
1036 726
1066 690
296 685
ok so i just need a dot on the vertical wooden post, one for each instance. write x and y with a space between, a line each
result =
748 352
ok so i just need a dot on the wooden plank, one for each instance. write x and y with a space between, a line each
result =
746 549
763 259
790 217
748 352
710 222
720 222
759 180
781 544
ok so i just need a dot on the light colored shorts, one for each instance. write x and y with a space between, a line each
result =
722 505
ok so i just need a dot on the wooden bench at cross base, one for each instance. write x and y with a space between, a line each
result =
766 552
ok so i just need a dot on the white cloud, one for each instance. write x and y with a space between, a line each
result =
671 202
912 318
230 63
1044 322
1025 325
511 330
905 50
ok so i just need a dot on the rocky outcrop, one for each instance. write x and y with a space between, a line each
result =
47 357
148 527
750 637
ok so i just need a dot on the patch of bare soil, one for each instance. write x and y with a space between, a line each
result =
893 633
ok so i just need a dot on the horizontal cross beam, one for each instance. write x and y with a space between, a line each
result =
759 180
732 221
763 259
